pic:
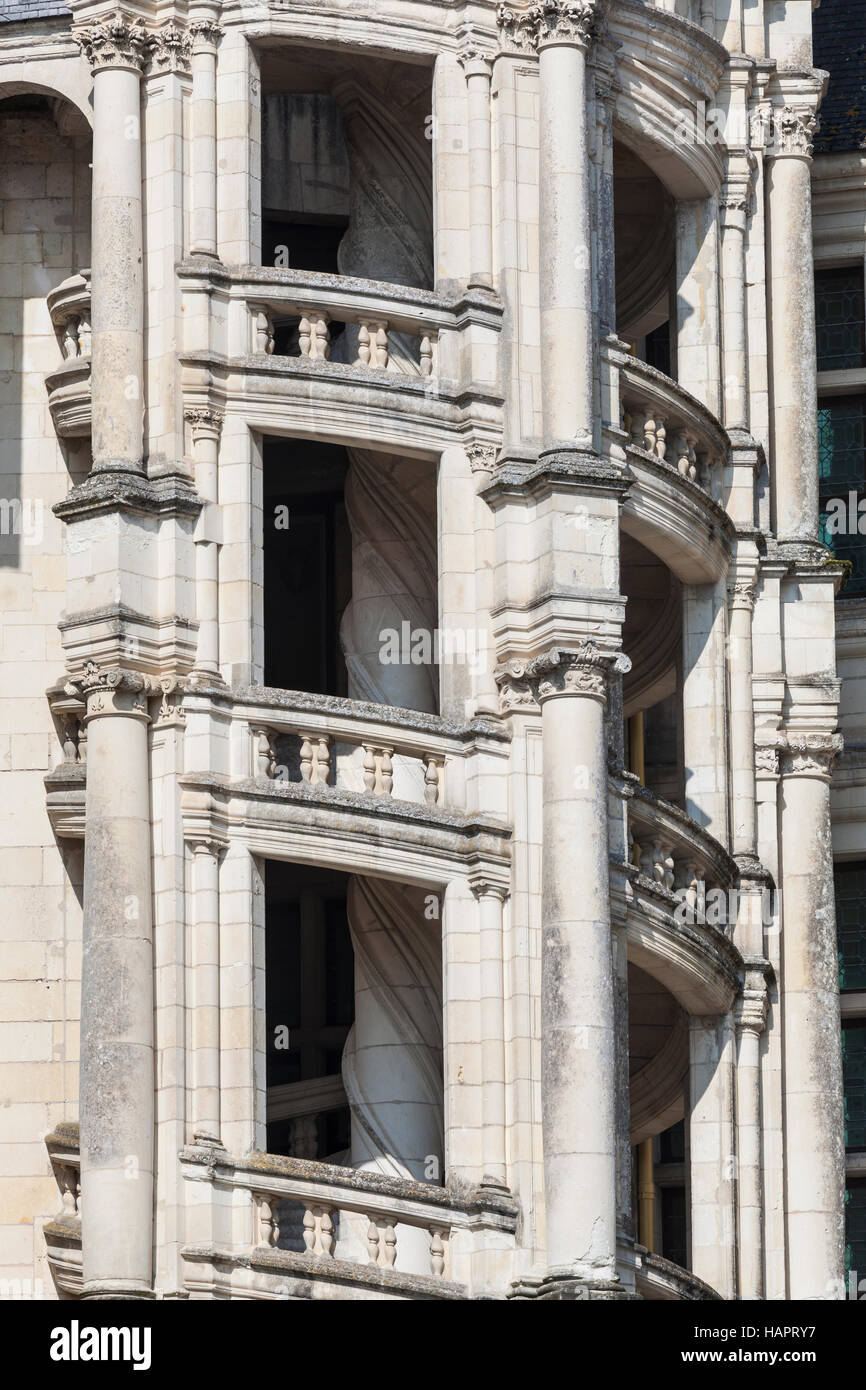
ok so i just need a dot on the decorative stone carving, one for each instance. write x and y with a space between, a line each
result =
767 761
794 128
205 33
750 1010
743 596
481 456
552 21
206 422
170 49
118 41
582 671
811 755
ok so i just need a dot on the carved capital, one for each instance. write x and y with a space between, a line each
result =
811 755
767 761
481 456
117 41
170 49
474 58
205 33
750 1009
112 690
583 670
205 422
743 596
794 128
575 22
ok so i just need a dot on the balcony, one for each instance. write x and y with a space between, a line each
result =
661 1281
69 387
317 1231
329 780
388 360
674 868
676 457
62 1233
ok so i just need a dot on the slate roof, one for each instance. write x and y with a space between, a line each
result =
840 48
13 11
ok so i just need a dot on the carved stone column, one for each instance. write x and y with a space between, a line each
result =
750 1016
205 32
206 425
812 1077
478 71
561 33
578 1025
116 49
793 385
117 1083
697 321
734 212
491 901
204 1002
744 835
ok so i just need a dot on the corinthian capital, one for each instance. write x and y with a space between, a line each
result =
582 670
117 41
811 755
793 129
552 21
116 690
170 49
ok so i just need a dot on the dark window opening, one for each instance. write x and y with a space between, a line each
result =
657 348
842 482
855 1229
673 1223
295 245
307 566
672 1144
854 1082
850 886
309 1009
839 319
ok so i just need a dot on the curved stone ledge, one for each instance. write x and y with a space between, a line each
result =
699 965
69 398
311 1277
661 1280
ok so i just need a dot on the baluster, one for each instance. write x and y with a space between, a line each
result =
305 336
69 344
373 1242
661 438
438 1238
269 1231
387 1243
369 767
658 863
68 1189
84 331
381 344
309 1231
264 332
320 348
363 358
322 760
647 861
668 874
431 779
386 779
306 760
426 355
70 750
324 1239
265 760
636 851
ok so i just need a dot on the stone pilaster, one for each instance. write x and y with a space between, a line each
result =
205 33
206 426
204 1004
744 829
750 1017
116 1088
812 1061
793 385
117 48
478 69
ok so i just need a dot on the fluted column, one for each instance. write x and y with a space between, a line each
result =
478 74
116 1087
206 426
793 386
812 1076
116 49
578 1025
205 34
561 33
205 992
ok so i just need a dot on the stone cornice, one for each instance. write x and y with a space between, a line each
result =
575 469
575 22
128 492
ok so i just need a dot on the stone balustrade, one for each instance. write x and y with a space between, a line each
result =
69 307
669 425
322 1221
675 853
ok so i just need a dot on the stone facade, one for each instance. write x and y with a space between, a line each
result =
419 661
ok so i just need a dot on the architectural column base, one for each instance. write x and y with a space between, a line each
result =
110 1289
564 1286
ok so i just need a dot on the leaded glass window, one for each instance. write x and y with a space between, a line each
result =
842 475
840 319
851 924
854 1082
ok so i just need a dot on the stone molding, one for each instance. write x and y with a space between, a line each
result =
206 423
751 1008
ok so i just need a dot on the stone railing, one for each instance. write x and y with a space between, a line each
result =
670 426
69 307
62 1233
341 1222
327 741
673 851
661 1281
